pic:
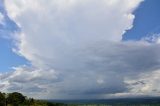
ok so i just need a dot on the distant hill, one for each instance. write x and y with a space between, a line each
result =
147 101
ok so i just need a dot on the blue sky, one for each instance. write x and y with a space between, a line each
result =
146 22
8 58
73 49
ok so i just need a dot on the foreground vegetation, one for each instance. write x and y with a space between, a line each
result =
17 99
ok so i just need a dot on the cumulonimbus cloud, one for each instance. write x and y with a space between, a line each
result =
75 48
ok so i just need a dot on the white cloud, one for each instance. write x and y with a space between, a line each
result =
76 49
154 38
145 84
28 80
1 18
62 29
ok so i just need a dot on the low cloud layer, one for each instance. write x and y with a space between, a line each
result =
76 50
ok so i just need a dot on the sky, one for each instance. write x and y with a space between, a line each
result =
72 49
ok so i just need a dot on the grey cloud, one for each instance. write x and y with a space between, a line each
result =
14 87
103 71
33 89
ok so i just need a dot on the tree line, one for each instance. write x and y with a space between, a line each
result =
18 99
14 99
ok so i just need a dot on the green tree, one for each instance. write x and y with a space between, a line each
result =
2 99
15 98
